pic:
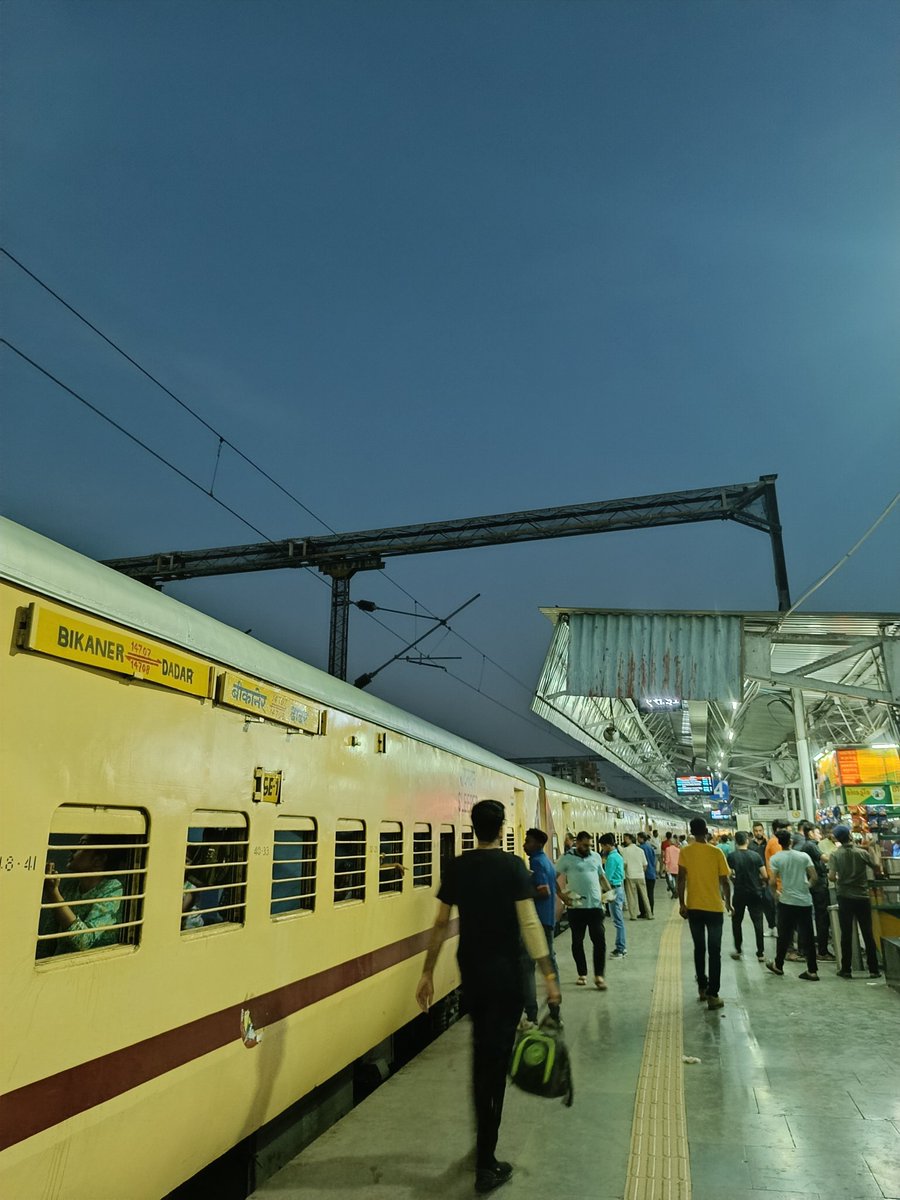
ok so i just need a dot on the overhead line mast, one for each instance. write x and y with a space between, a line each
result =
341 555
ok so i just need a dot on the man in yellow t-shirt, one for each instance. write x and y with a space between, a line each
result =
704 895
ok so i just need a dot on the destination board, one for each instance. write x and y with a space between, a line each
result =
61 633
694 785
264 700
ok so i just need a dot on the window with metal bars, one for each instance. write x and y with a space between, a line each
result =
294 866
511 841
349 861
422 856
94 881
390 857
467 841
215 874
447 847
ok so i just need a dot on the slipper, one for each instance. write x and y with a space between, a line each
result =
811 978
581 981
600 983
775 970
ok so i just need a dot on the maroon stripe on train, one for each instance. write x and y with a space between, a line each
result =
39 1105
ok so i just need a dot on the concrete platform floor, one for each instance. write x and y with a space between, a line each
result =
796 1096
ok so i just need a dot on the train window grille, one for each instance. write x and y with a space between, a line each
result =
109 912
390 857
423 854
511 841
294 866
215 875
467 840
447 847
349 861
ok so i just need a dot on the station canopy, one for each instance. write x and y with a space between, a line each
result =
731 695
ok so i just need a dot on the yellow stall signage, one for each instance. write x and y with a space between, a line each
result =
63 634
264 700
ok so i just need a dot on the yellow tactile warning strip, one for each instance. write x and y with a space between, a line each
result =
658 1164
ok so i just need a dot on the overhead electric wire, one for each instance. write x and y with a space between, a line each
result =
223 440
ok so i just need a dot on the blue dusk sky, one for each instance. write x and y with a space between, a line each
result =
429 260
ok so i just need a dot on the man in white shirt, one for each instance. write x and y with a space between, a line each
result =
635 870
795 905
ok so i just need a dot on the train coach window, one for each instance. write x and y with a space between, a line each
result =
294 866
511 841
349 861
390 857
215 875
447 846
93 891
422 856
467 841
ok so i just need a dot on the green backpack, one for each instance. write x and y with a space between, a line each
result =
540 1061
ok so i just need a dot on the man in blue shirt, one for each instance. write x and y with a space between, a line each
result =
614 866
585 882
650 854
543 875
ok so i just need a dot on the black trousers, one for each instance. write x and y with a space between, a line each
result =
590 920
753 904
820 916
494 1021
860 911
769 908
651 884
706 930
796 918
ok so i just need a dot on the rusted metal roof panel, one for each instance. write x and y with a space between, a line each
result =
639 656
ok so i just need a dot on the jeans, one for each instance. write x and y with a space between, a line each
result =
860 911
528 984
590 920
616 911
797 917
753 904
672 885
706 930
494 1021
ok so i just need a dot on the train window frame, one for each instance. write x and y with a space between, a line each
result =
446 846
390 857
510 845
466 839
73 827
343 896
423 854
233 870
306 878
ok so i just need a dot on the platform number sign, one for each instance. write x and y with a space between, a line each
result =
721 792
266 786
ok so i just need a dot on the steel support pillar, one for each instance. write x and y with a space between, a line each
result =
340 621
770 500
804 762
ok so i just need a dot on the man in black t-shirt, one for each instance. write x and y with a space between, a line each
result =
494 894
749 874
808 842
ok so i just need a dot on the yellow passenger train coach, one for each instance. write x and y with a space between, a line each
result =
217 875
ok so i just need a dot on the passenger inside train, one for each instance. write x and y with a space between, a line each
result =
82 899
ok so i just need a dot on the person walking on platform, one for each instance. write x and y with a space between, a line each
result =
809 845
795 872
543 876
586 880
494 895
614 866
635 872
650 878
847 869
704 894
670 861
749 875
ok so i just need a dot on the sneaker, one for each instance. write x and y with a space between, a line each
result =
736 954
488 1178
775 970
845 975
715 1002
617 954
810 977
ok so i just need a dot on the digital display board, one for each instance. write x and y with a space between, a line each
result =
694 785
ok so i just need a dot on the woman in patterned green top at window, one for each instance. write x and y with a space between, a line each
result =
84 926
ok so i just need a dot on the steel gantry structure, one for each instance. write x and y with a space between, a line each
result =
342 555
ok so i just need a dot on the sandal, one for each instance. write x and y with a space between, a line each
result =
600 983
581 981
